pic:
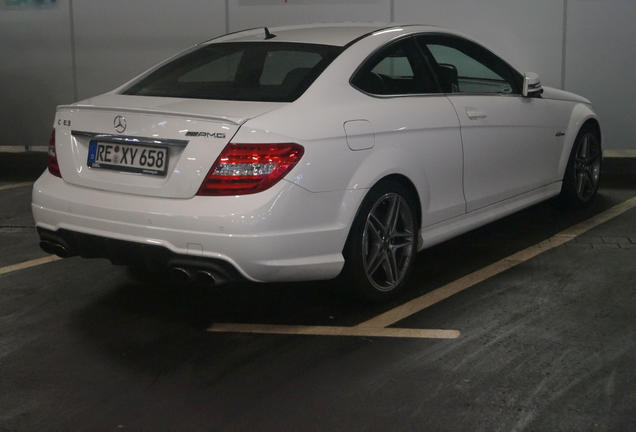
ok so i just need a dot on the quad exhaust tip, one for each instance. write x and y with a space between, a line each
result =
181 274
186 275
55 248
206 277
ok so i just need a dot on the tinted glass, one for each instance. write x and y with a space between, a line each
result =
397 69
465 67
250 71
222 69
395 66
277 65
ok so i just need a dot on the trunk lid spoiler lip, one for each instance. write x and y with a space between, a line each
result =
235 121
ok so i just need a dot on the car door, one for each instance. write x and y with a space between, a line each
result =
415 126
508 140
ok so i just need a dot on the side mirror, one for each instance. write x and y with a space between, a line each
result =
531 85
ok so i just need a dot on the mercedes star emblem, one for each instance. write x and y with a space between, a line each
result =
120 123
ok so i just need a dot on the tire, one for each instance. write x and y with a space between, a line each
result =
583 172
382 243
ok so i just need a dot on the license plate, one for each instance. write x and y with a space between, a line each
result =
130 158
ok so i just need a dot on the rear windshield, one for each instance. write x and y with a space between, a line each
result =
241 71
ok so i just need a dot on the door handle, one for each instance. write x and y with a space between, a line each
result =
475 114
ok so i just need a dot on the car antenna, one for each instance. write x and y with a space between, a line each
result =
268 35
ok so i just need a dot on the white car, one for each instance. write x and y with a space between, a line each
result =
309 152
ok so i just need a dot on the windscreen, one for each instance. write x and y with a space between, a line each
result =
240 71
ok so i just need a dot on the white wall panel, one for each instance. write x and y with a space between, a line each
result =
117 39
528 34
600 63
35 71
256 13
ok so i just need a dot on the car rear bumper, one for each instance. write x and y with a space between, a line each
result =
66 243
283 234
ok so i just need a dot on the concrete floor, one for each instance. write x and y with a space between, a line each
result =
549 345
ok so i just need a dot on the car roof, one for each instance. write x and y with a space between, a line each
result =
337 34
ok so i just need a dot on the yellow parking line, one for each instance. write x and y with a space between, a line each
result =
417 304
28 264
335 331
14 185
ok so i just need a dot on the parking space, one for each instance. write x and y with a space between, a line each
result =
500 329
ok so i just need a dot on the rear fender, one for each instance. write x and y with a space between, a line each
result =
386 161
329 165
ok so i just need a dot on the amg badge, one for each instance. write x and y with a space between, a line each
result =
206 134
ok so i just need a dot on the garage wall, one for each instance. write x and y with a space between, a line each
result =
601 63
36 72
254 13
118 39
528 34
70 49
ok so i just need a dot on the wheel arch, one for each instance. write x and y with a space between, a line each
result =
410 188
582 116
593 124
406 183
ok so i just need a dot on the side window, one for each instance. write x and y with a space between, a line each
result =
398 69
395 66
465 67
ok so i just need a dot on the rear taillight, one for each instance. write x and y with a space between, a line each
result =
244 169
54 167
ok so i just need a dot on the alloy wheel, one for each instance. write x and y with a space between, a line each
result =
587 167
388 242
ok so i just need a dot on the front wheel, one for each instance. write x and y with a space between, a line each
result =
382 243
582 175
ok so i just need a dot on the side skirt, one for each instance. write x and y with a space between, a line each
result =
439 232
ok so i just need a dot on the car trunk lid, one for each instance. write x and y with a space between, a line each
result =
192 132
